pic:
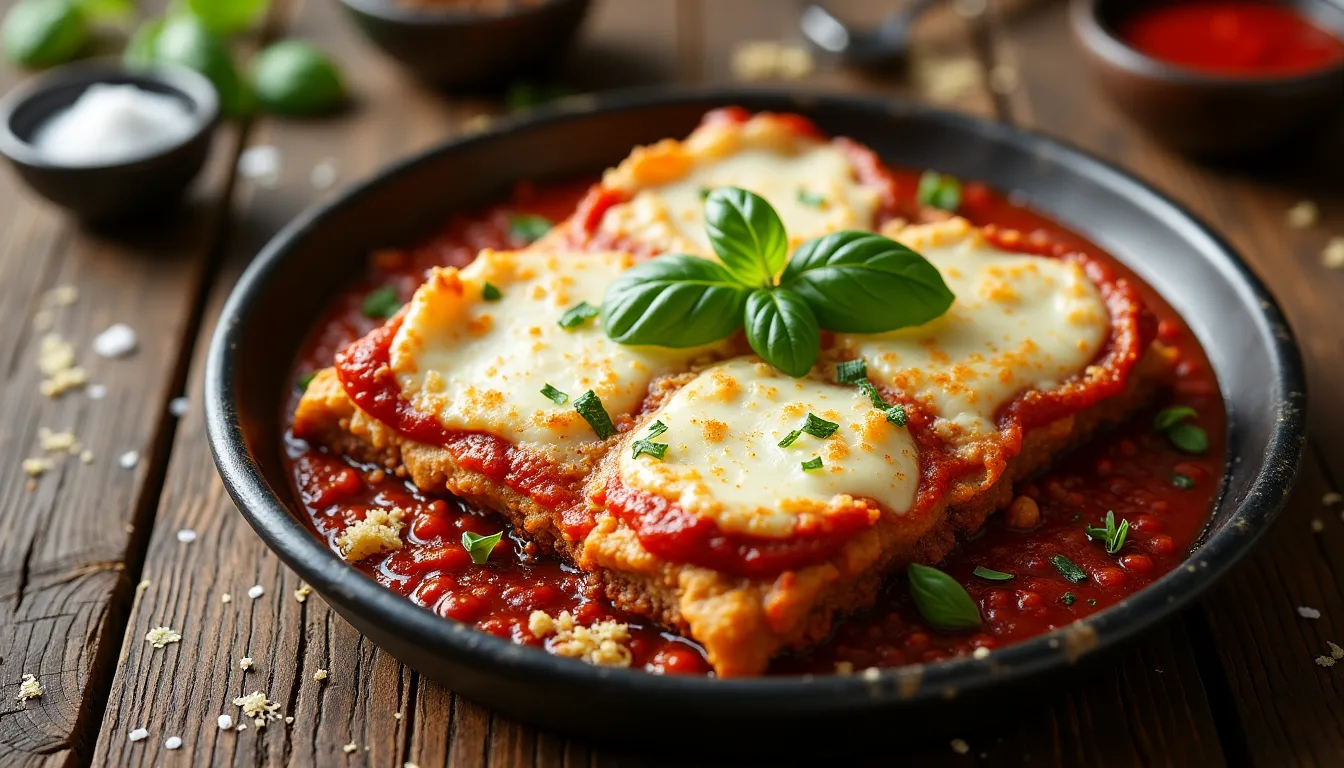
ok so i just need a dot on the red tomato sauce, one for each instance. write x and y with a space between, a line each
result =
1233 37
1128 471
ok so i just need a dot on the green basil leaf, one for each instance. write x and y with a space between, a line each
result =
860 282
1068 570
811 199
1189 438
590 407
942 602
939 191
1171 416
852 372
381 303
528 227
791 438
140 49
656 450
746 234
818 427
305 380
578 315
1068 598
1184 482
294 77
108 10
989 574
186 41
812 463
673 300
40 33
554 395
228 17
480 547
782 330
491 292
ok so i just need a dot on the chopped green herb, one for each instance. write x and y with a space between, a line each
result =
578 315
811 198
523 95
589 406
528 227
896 415
990 574
490 292
305 380
382 303
1171 416
1068 570
1067 598
1189 438
942 602
791 438
852 372
1113 536
939 191
818 427
812 463
1091 601
478 546
1184 482
704 192
554 395
646 445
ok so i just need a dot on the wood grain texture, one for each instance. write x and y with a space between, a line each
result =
1280 707
72 535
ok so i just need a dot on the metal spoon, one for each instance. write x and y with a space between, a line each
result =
881 47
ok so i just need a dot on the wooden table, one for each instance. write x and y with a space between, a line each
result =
90 558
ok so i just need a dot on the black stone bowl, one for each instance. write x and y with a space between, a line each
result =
129 189
316 256
452 48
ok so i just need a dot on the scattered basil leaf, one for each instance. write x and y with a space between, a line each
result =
528 227
554 395
990 574
382 303
1113 536
1091 601
42 33
186 41
139 52
852 372
578 315
747 235
589 406
1171 416
896 415
942 602
295 78
782 330
1189 438
1068 570
1068 598
811 199
1184 482
228 17
704 193
812 463
480 547
107 10
791 438
819 427
673 300
860 282
306 379
939 191
490 292
646 445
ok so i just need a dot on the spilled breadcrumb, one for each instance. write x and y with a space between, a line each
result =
161 636
377 533
257 707
29 688
604 643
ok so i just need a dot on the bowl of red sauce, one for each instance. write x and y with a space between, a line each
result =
1218 76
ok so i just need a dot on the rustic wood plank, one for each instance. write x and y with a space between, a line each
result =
70 541
1280 706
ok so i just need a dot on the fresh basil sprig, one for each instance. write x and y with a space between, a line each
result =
847 282
1110 534
942 602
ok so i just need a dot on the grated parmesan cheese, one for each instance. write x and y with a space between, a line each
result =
1335 651
226 598
351 747
158 637
245 663
320 675
256 706
37 466
604 643
1333 255
301 594
1303 215
56 360
378 532
29 688
1325 661
58 442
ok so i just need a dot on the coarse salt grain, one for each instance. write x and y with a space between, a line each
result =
260 164
225 722
96 391
186 535
129 459
179 406
173 742
117 341
323 175
256 591
112 124
1308 613
139 734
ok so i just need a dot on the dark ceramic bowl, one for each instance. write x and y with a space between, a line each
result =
1205 113
113 191
453 49
318 254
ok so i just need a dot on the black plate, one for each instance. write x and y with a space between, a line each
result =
1237 321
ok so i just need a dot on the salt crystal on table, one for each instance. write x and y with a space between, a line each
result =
323 175
256 592
96 391
260 164
179 406
138 734
129 459
117 341
1308 613
113 124
225 722
186 535
173 742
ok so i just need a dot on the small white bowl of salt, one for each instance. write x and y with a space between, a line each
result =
107 143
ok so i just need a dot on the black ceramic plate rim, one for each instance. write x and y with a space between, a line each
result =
393 10
331 576
1106 44
188 83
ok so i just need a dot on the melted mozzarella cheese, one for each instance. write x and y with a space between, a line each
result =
724 462
811 184
1019 322
481 365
